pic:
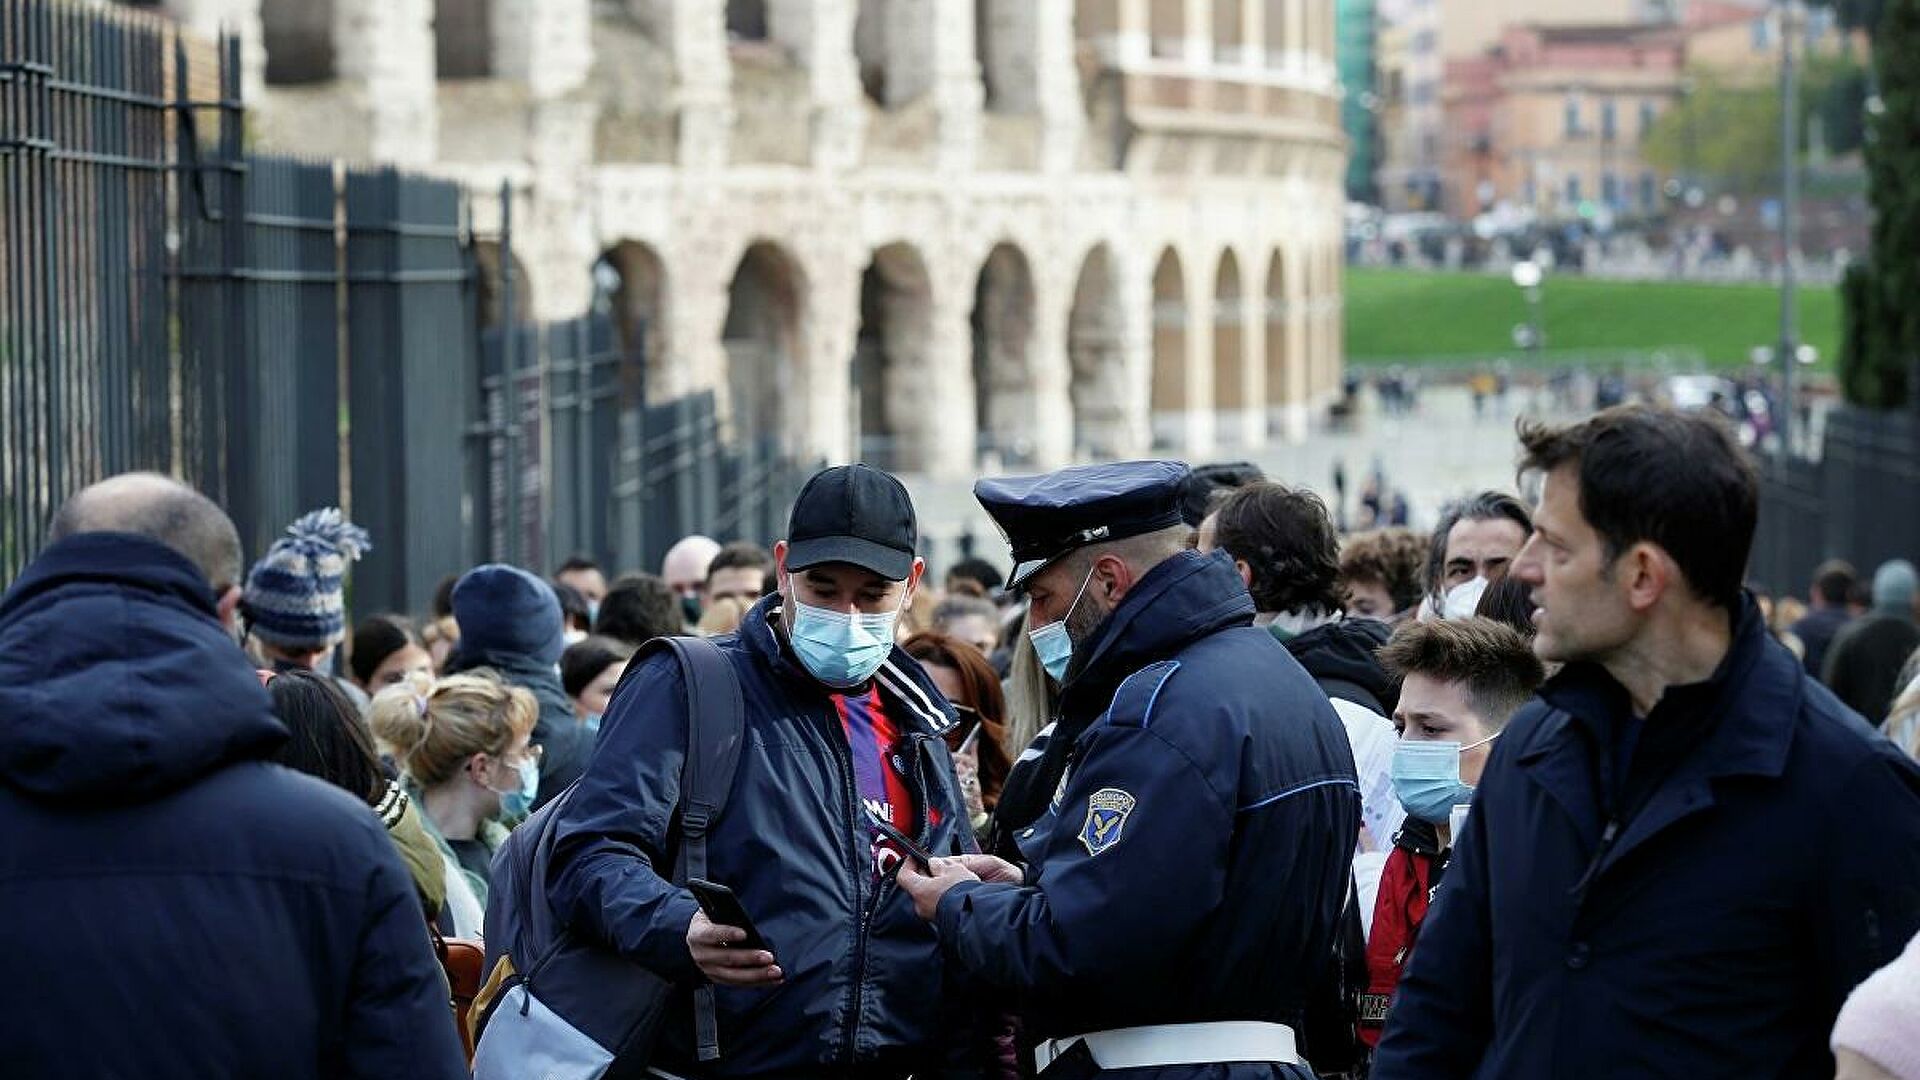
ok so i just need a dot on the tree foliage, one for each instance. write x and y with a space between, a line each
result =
1729 134
1882 316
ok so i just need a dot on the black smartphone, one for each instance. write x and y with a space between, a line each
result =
723 909
914 851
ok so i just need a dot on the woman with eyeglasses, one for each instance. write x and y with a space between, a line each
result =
464 748
965 675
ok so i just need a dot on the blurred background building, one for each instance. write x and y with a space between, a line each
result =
933 233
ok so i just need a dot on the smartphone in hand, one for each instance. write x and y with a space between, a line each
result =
907 847
723 908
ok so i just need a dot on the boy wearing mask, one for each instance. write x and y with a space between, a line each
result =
1461 680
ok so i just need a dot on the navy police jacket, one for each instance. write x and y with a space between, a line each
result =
864 989
1715 931
1194 861
172 903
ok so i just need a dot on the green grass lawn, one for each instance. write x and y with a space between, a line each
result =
1413 315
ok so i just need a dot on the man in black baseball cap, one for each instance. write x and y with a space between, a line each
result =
1195 799
842 749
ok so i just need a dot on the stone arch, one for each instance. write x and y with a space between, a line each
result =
1169 400
1229 344
1279 359
1167 28
1096 356
638 299
893 46
1003 314
298 36
747 20
763 340
894 411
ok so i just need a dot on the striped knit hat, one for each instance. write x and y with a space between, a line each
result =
293 598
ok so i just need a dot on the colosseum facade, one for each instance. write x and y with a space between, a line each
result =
939 234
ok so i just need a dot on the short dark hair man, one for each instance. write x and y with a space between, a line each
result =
1683 856
1189 868
639 608
261 919
1475 541
738 572
841 727
586 577
1833 585
1283 544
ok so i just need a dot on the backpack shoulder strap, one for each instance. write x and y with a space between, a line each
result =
716 726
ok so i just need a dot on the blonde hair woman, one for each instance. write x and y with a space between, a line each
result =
463 745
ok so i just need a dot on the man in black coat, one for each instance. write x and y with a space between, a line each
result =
1863 665
1686 853
175 905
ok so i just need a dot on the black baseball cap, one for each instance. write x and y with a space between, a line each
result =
854 514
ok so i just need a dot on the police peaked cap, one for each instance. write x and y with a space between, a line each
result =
1046 517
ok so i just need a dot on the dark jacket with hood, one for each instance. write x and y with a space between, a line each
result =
865 989
1701 911
174 904
1340 657
510 624
1194 861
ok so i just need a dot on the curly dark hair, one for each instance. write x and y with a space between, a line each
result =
1286 537
1395 559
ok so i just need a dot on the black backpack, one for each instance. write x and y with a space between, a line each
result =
613 1001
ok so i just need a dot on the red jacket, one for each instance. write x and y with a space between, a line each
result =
1407 884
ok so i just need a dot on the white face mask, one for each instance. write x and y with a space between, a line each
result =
1463 599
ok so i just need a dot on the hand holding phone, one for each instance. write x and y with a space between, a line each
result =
723 908
918 854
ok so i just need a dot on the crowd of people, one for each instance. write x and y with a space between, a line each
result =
1190 785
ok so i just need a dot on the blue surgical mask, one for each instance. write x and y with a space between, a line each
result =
1426 777
518 803
593 723
841 649
593 611
1052 642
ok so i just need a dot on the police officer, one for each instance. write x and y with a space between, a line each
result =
1184 878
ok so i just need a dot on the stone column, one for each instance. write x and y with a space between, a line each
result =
950 448
1063 114
830 325
387 47
1135 288
695 32
957 92
1048 363
546 44
1253 34
1201 419
1132 44
1253 358
1199 30
1297 32
1299 360
820 35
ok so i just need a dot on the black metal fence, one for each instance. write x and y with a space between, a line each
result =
288 334
1855 503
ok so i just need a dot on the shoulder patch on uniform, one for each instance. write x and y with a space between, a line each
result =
1107 811
1133 702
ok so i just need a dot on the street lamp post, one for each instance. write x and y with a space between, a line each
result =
1788 351
1532 334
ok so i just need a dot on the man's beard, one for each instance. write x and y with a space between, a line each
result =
1083 620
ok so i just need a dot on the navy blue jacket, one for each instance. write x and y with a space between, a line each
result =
1770 868
1194 863
863 974
172 904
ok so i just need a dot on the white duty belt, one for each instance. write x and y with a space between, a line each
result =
1179 1044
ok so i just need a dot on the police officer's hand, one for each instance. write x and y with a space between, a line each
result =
927 889
713 949
994 869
